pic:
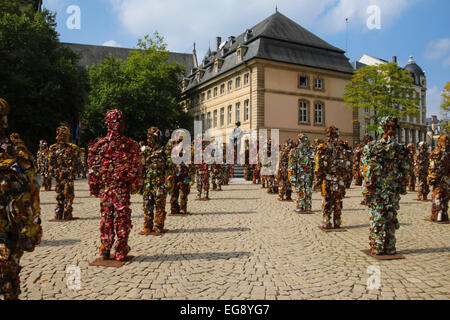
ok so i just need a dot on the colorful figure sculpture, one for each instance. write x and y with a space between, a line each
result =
115 172
155 175
421 164
439 178
330 171
301 172
202 177
385 171
411 175
282 175
20 223
357 161
268 180
83 163
216 176
180 182
348 155
63 157
43 166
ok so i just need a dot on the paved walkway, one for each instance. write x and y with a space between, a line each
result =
243 244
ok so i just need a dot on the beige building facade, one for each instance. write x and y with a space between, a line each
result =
272 77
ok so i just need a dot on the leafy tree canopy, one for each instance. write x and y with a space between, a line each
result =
39 77
385 90
146 87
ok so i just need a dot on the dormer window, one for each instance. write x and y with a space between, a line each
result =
223 51
217 65
248 35
240 52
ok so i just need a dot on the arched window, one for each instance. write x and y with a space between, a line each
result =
303 112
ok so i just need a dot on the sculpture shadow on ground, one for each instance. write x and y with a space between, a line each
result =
193 256
212 230
367 226
222 213
234 199
58 243
425 250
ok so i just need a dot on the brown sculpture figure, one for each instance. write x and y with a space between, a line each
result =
411 175
63 158
421 163
43 166
330 172
20 223
439 178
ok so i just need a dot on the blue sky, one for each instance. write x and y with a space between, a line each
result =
418 28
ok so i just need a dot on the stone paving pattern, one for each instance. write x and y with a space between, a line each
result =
243 244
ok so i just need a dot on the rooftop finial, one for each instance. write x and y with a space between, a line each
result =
276 8
194 56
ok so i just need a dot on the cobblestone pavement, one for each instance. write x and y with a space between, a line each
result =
243 244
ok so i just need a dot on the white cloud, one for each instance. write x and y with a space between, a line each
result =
356 10
111 43
439 50
434 100
183 22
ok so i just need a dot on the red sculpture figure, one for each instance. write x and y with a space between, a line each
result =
115 172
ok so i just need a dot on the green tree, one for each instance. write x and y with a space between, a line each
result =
39 77
146 87
385 90
445 106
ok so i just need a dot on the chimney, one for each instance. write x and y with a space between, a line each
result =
218 42
194 56
231 39
394 59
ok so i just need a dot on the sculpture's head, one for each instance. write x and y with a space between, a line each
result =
15 138
114 121
411 147
423 146
366 139
332 133
62 134
388 126
43 144
302 140
154 137
4 110
444 142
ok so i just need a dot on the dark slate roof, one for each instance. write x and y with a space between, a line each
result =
276 38
414 68
305 55
280 27
92 55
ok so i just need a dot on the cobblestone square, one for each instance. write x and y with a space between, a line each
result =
242 244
